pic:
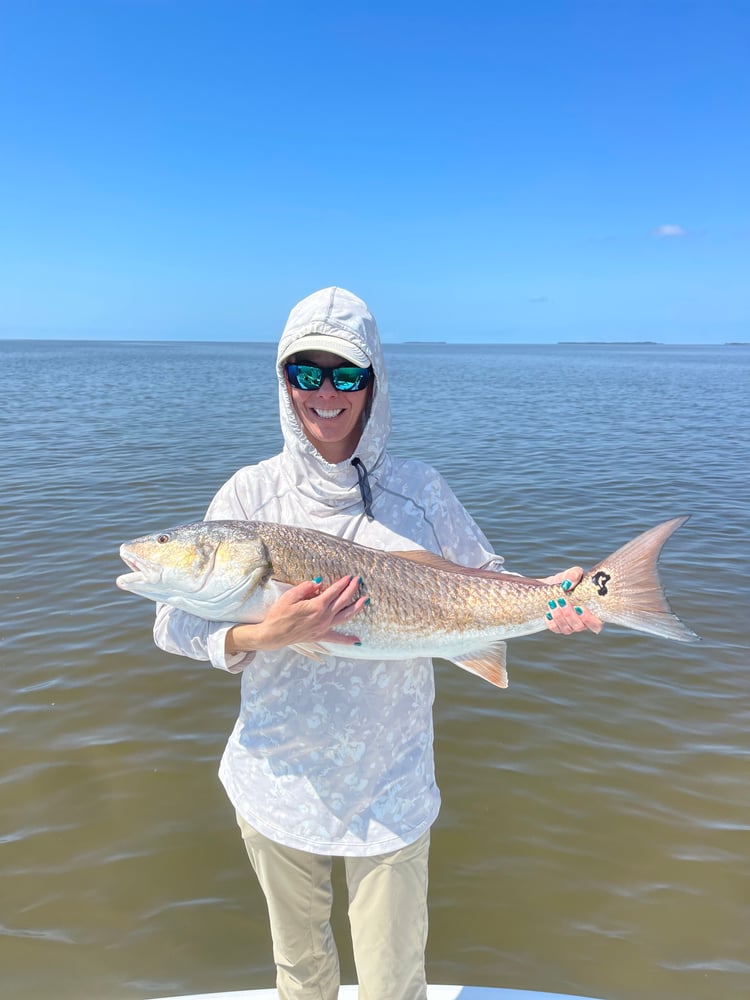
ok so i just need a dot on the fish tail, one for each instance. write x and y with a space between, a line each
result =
627 590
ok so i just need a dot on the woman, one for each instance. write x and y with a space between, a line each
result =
335 757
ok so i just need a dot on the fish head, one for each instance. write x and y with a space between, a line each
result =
209 568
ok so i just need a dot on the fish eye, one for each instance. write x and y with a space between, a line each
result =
162 539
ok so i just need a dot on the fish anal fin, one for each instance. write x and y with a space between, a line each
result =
487 663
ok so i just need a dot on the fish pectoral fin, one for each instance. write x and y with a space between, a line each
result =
312 649
488 663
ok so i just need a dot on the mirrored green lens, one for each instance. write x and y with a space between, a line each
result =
308 376
349 379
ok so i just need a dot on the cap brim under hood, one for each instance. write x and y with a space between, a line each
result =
332 345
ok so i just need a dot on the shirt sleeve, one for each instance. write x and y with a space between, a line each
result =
180 632
187 635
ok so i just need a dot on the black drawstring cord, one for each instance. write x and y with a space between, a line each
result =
364 487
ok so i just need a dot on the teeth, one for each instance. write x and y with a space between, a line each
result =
327 414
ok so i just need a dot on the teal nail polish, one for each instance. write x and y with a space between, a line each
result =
357 643
579 611
361 581
548 616
566 585
367 601
317 579
562 602
552 604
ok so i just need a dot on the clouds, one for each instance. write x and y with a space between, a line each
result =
670 231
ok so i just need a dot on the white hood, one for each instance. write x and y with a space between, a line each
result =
338 313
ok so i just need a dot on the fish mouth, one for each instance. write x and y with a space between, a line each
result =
142 572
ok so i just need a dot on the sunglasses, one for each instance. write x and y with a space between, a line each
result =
345 378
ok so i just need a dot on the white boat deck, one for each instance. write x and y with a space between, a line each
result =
433 993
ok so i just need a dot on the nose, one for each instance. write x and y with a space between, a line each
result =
327 387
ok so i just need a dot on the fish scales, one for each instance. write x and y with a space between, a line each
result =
407 595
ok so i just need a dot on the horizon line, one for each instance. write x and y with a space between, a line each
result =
391 343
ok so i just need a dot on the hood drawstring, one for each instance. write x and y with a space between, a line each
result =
364 487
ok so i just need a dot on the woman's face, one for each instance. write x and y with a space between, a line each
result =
331 420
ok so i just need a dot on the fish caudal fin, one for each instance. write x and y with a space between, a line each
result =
627 589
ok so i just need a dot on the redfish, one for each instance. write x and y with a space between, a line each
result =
420 604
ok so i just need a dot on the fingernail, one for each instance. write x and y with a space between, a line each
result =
562 602
361 581
552 604
317 579
566 584
367 601
357 643
579 611
548 616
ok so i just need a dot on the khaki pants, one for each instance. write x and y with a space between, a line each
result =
387 914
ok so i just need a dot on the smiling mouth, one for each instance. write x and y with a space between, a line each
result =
326 414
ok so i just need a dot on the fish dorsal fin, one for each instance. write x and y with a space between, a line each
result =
437 562
488 663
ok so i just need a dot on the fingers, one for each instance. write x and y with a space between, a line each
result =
304 591
590 621
341 597
567 580
572 576
565 617
335 598
344 604
341 639
335 605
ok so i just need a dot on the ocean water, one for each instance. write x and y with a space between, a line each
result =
595 830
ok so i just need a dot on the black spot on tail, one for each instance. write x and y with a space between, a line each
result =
600 581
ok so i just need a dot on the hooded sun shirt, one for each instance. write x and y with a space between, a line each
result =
334 757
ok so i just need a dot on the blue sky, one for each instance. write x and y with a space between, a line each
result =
513 172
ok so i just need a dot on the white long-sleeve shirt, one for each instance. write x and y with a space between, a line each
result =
334 757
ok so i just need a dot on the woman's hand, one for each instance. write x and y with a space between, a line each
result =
306 613
569 617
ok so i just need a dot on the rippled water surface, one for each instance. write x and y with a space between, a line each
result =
595 831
